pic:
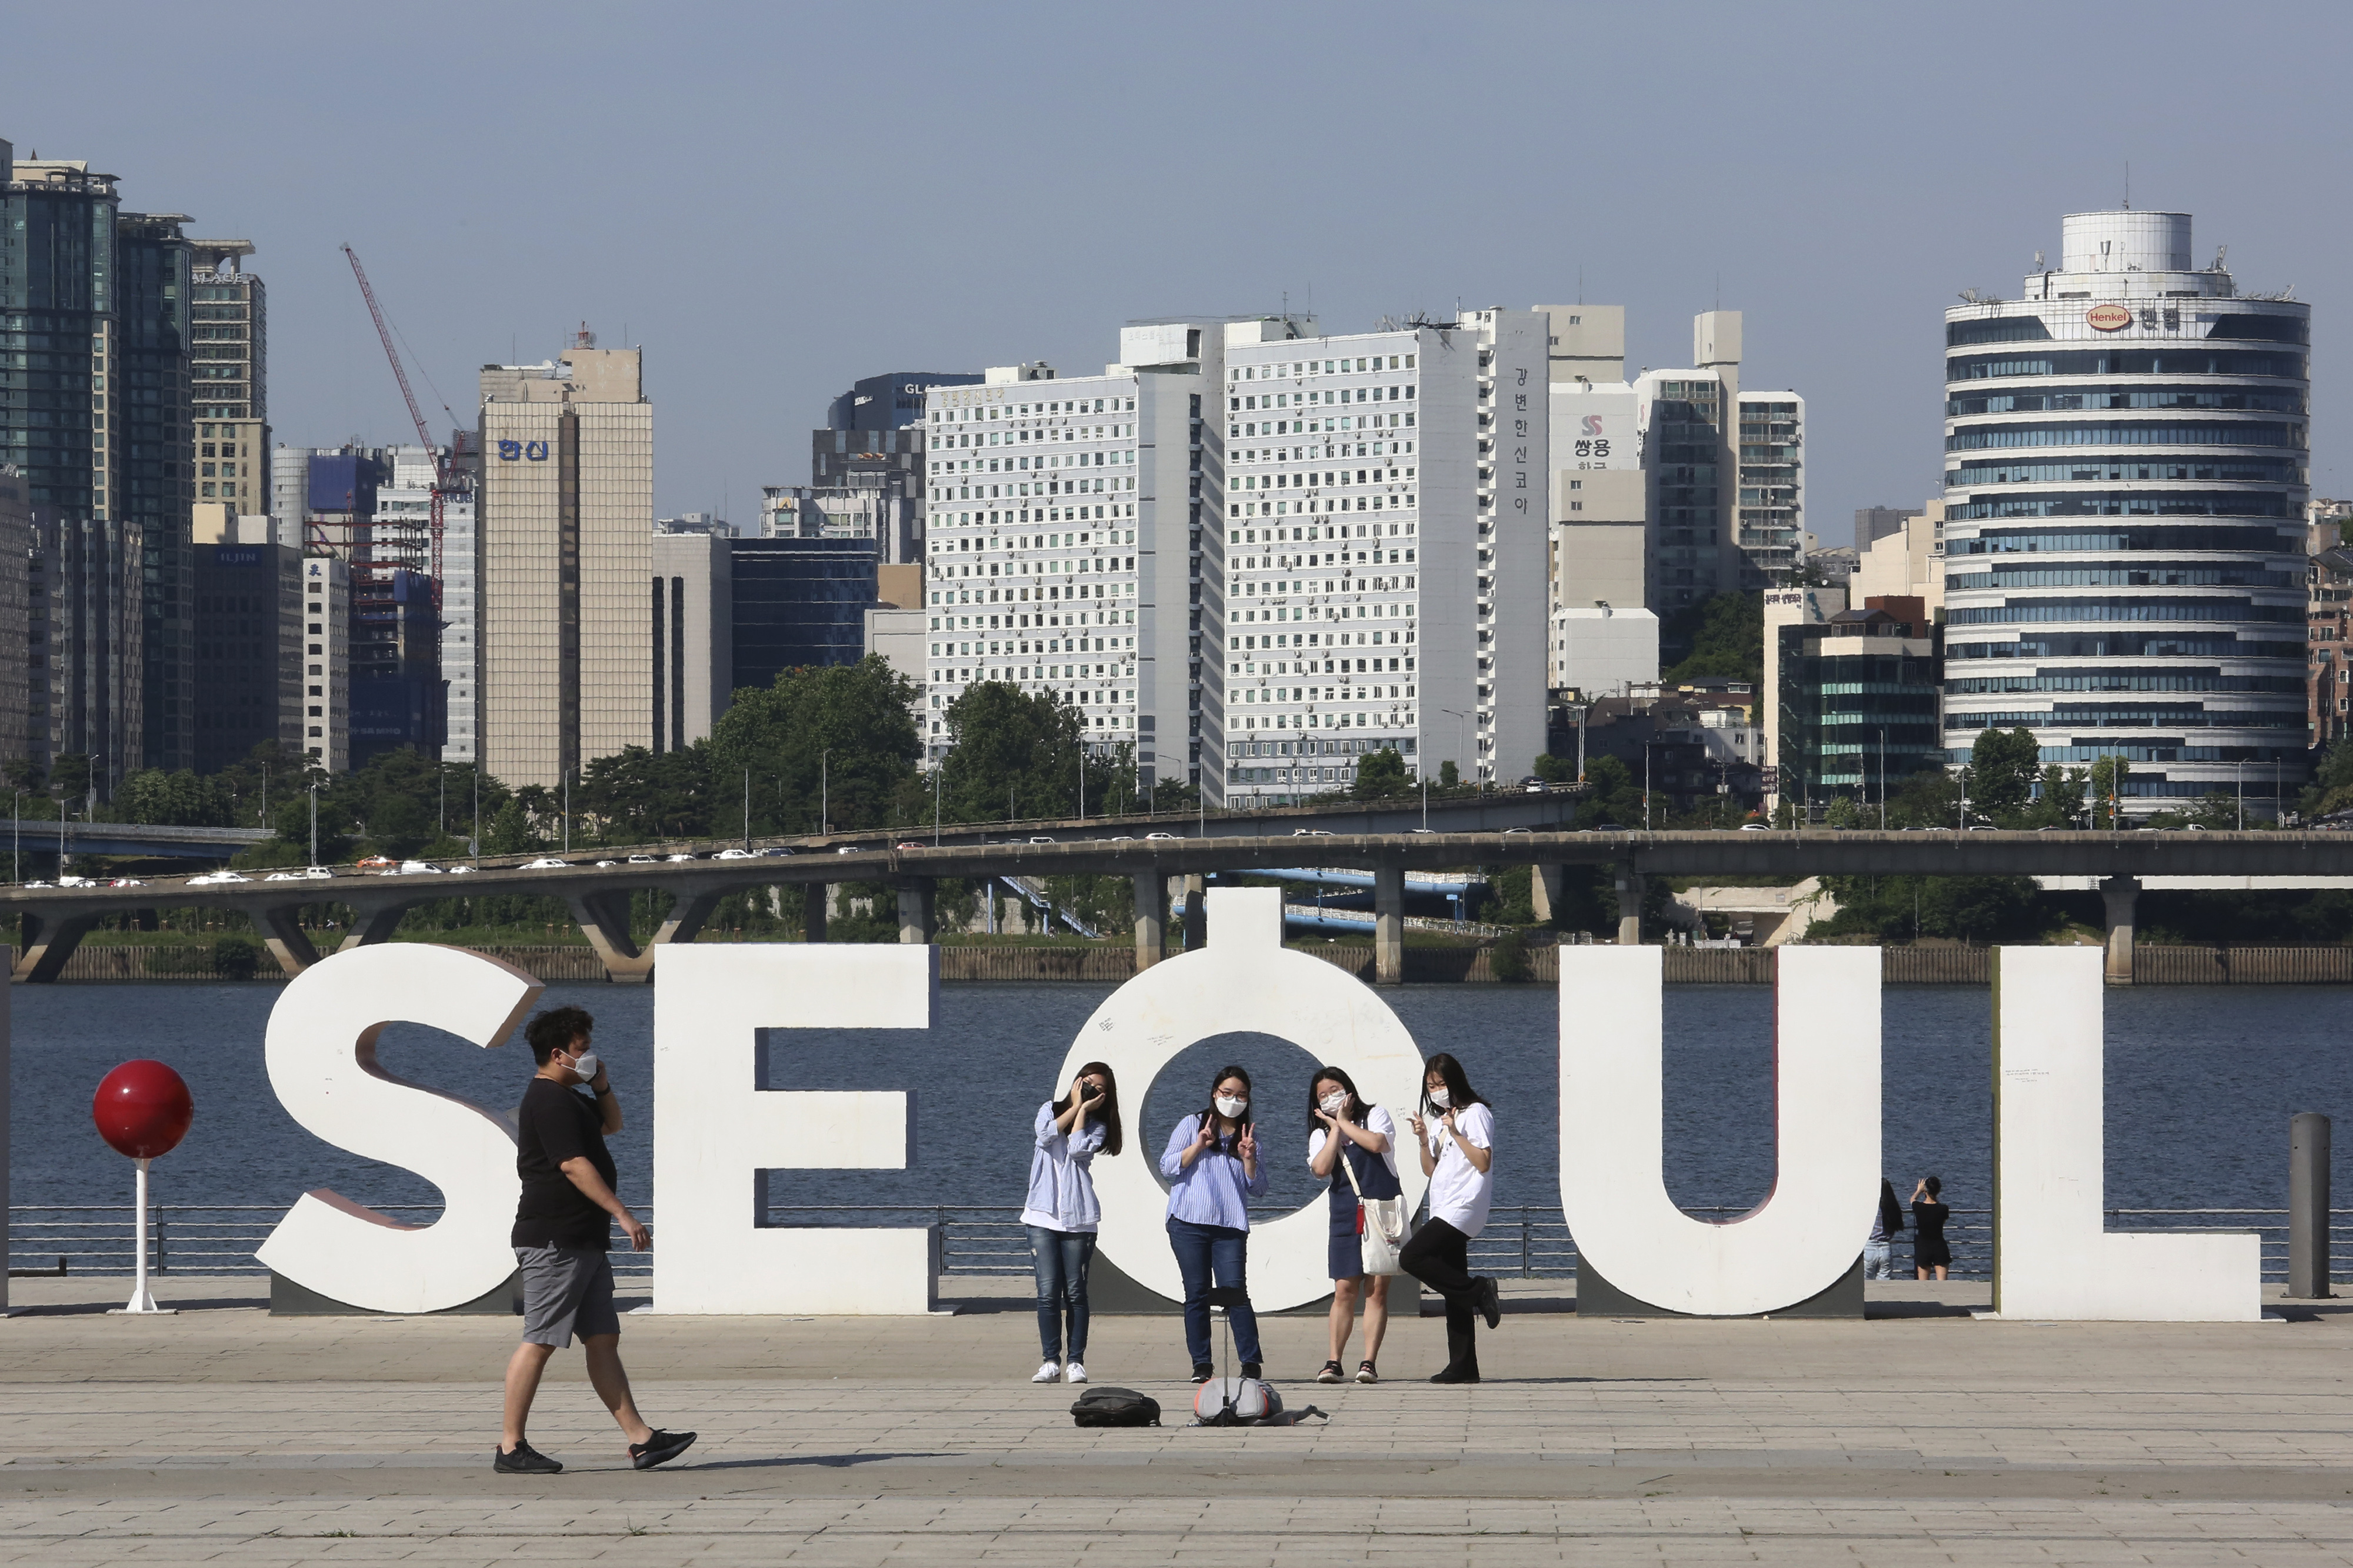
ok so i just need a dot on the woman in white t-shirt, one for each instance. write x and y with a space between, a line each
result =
1344 1128
1458 1155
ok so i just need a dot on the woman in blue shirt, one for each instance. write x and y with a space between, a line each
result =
1213 1170
1061 1214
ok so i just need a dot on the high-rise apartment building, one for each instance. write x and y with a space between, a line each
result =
327 662
228 384
2124 485
462 617
155 467
1385 577
84 592
566 516
1725 473
867 467
1059 515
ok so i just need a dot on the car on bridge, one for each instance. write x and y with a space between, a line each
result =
1150 835
375 863
544 863
215 879
641 860
774 852
737 855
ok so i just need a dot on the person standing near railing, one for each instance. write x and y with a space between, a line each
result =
1365 1137
1929 1213
1879 1250
1213 1171
1458 1155
1061 1215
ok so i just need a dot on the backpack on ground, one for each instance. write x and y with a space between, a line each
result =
1236 1402
1106 1406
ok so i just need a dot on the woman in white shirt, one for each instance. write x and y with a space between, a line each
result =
1061 1214
1458 1155
1344 1128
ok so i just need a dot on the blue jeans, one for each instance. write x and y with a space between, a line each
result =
1061 1258
1878 1260
1202 1250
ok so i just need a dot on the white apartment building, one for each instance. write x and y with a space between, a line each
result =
1036 565
327 662
401 532
567 522
1382 582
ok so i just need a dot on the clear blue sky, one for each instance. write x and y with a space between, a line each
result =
774 200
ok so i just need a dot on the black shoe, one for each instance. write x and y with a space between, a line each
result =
1368 1372
1490 1302
1331 1372
1250 1369
1450 1375
660 1448
1203 1372
522 1459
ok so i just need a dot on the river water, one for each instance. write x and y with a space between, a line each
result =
2200 1085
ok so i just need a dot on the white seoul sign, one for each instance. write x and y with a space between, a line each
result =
722 1008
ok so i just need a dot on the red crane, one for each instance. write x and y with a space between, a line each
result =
441 470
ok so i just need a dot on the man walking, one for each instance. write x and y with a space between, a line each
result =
560 1232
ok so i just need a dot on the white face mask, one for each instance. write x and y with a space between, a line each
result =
1230 1108
1333 1103
587 1065
1441 1099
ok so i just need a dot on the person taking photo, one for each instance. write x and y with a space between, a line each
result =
1213 1171
562 1230
1457 1133
1062 1215
1353 1146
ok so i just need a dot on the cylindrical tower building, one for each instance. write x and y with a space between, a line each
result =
2125 468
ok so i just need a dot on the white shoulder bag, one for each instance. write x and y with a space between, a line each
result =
1380 1222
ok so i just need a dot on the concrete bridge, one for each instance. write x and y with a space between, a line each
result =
34 836
54 920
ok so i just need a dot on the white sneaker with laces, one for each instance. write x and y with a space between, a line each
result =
1075 1372
1046 1372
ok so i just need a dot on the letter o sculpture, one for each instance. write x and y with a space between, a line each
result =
1244 982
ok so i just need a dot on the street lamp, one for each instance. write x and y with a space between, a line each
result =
1458 715
825 791
1883 780
314 825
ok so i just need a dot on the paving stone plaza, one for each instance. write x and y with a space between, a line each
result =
1918 1436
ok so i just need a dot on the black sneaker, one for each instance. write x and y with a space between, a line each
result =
1331 1372
1450 1375
1490 1302
659 1448
522 1459
1250 1369
1203 1372
1368 1372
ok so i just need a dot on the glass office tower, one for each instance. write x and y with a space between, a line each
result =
2125 478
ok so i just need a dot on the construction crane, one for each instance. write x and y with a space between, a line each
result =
443 477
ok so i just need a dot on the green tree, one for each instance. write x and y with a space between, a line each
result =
1612 795
2003 765
1018 754
2108 776
1381 774
840 738
170 800
636 795
1449 776
2060 802
1724 636
1844 813
1928 799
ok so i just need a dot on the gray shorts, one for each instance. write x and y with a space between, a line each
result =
566 1290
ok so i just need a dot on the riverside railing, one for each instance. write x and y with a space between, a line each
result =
1520 1242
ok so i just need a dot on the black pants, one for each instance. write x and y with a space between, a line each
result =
1439 1257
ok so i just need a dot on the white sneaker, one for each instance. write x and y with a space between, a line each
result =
1075 1372
1046 1372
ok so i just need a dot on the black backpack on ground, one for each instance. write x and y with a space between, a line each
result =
1108 1406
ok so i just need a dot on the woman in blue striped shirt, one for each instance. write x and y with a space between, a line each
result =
1214 1170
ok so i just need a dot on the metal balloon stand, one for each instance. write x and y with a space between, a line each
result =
142 1300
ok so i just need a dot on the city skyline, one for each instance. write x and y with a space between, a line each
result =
764 281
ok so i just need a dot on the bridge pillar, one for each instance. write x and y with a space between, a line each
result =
1544 888
2120 894
817 901
1197 913
604 919
371 923
282 933
1388 925
46 942
1630 883
918 910
1151 919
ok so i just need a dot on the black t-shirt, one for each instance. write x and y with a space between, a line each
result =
554 1124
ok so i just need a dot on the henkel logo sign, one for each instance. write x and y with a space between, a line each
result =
2108 318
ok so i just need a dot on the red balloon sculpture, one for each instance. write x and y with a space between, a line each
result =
143 1110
